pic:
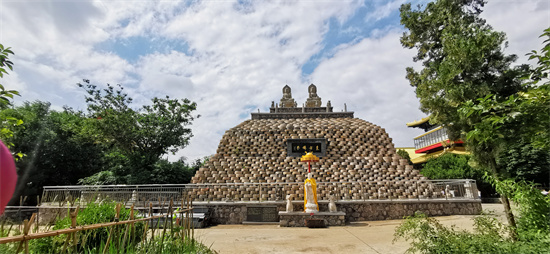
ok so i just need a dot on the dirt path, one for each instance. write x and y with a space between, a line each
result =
360 237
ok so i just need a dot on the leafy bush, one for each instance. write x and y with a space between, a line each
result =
533 221
522 160
404 155
427 235
89 239
452 166
489 235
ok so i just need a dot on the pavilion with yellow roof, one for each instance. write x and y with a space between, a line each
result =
434 142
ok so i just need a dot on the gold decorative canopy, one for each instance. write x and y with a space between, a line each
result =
309 157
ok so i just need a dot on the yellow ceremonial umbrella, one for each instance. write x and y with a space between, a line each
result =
309 158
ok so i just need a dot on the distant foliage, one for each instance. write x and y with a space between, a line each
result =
450 166
174 172
404 155
164 172
100 178
524 161
58 151
453 166
138 137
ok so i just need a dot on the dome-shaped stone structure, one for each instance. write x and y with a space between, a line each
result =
267 149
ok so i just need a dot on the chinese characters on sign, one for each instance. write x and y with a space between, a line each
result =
299 147
306 148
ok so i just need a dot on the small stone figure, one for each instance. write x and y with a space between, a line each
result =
133 199
289 206
98 199
332 204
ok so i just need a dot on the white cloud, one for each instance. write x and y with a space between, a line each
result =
370 78
522 21
240 61
383 9
236 57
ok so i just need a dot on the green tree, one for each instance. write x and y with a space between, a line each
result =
461 56
137 137
57 151
520 118
7 124
174 172
463 60
404 155
453 166
449 166
524 161
5 95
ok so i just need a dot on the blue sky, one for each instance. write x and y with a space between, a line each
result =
233 57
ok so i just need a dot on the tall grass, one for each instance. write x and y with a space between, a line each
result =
139 237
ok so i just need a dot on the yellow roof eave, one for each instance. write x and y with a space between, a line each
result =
419 122
426 157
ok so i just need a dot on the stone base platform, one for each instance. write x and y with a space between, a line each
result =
298 219
369 210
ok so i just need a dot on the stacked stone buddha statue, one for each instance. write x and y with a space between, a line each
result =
287 101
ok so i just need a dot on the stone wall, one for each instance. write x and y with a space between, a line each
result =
389 210
298 219
236 212
47 214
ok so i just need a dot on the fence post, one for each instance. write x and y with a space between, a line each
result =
111 231
25 243
417 190
190 220
38 214
73 225
129 227
390 193
182 219
260 195
165 224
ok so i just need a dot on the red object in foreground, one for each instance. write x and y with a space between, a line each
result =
8 176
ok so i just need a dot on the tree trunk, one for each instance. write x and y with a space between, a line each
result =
506 203
510 216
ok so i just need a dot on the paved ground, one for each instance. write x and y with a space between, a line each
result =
360 237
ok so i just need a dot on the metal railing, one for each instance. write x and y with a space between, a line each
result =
432 137
259 192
